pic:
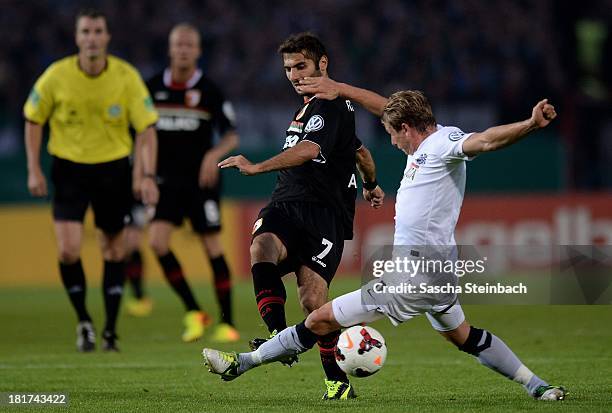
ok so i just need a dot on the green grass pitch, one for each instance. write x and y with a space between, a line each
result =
155 372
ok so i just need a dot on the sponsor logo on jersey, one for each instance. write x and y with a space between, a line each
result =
161 95
192 97
455 136
421 159
257 225
172 123
315 123
296 127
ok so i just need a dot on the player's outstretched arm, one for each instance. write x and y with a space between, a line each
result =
37 183
499 137
301 153
367 169
325 88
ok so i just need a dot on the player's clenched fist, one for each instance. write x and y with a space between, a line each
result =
245 166
543 113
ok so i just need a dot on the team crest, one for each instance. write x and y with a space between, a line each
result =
421 159
192 97
257 225
114 111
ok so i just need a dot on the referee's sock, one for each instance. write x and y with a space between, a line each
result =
223 287
327 347
112 286
133 272
73 278
270 295
174 275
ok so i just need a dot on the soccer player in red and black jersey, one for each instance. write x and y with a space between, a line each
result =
191 109
310 214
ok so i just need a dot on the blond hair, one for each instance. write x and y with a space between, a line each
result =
188 27
410 107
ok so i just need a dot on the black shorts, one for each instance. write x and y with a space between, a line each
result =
201 206
106 186
311 232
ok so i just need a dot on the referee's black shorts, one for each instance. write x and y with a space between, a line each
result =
106 186
311 232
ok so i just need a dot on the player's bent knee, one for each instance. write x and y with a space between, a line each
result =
321 321
264 248
478 340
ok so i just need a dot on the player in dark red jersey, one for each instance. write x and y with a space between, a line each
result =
310 214
191 109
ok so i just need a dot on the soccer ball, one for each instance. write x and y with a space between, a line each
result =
361 351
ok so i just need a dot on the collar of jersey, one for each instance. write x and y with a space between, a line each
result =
195 78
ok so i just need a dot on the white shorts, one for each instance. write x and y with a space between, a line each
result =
349 310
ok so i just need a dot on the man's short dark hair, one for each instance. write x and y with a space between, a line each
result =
92 13
306 43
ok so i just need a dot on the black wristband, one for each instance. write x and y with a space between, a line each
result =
370 185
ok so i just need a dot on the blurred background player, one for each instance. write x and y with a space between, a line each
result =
311 210
140 305
191 109
90 100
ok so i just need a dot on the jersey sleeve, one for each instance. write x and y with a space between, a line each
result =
39 105
322 128
141 111
358 143
224 114
451 146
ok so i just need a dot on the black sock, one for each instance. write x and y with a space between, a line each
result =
112 287
307 337
327 350
174 275
270 295
223 287
73 278
133 272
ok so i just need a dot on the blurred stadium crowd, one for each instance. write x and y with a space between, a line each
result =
504 55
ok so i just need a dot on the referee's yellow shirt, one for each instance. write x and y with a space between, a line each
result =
89 117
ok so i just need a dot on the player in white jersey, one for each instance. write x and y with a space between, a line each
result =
427 208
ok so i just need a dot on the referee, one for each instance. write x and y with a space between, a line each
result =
90 100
